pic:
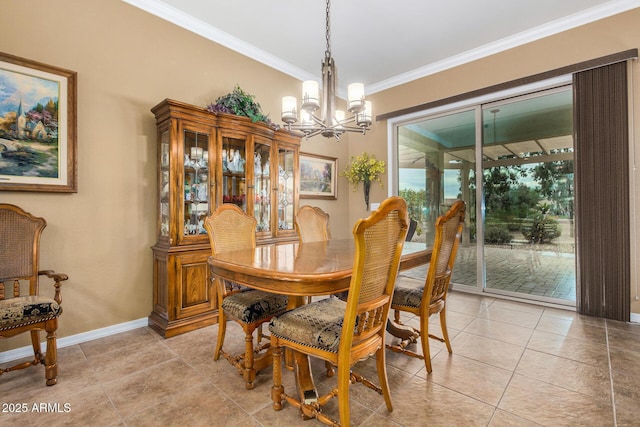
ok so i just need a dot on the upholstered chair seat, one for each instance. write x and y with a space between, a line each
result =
254 306
27 310
408 293
315 325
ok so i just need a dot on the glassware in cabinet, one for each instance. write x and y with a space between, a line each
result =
196 182
286 188
164 183
234 158
262 187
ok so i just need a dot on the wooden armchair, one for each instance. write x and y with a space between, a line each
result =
312 224
22 309
344 333
230 229
429 298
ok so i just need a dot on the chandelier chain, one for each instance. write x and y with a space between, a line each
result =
328 32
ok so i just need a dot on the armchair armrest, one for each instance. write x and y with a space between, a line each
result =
57 278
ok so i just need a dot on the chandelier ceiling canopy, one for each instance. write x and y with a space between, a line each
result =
331 122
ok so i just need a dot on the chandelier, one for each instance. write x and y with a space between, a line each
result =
331 122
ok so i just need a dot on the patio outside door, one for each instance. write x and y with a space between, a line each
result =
518 239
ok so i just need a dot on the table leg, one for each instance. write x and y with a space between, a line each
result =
400 331
304 379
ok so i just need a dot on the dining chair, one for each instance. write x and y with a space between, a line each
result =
430 297
346 332
312 224
22 307
230 229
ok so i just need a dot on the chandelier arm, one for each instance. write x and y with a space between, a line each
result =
318 121
354 129
347 120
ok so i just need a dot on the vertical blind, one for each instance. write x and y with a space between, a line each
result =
602 191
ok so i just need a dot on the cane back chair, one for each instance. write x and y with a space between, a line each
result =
346 332
312 224
23 310
430 297
229 229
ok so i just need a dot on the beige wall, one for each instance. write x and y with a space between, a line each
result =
127 61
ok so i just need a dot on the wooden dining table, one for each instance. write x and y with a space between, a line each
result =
302 270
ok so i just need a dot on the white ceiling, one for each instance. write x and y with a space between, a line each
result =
381 43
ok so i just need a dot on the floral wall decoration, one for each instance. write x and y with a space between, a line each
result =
364 168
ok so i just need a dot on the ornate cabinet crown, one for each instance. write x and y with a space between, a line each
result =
206 159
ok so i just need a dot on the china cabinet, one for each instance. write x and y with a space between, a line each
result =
206 159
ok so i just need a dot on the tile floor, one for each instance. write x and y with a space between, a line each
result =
513 364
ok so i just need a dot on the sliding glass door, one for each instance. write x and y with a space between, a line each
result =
527 173
436 162
519 237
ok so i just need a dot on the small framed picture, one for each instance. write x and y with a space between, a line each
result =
37 127
318 176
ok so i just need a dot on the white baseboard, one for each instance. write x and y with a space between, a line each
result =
635 317
27 351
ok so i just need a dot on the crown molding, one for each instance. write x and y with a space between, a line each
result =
177 17
188 22
555 27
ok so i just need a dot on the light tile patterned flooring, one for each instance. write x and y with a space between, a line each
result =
513 364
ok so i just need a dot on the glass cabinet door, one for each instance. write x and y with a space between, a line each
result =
196 182
234 158
262 187
164 183
286 188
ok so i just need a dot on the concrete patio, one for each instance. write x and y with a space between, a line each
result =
536 270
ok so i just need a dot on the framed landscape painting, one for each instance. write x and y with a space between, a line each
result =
318 176
37 126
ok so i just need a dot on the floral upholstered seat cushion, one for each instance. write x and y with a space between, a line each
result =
253 305
317 325
25 310
408 292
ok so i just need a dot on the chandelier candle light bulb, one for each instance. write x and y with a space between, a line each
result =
355 95
289 113
310 95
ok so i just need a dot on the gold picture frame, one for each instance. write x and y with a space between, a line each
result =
318 176
38 128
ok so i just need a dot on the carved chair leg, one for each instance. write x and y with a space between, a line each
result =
51 358
424 340
249 373
330 369
445 332
344 381
37 352
277 389
222 329
381 366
